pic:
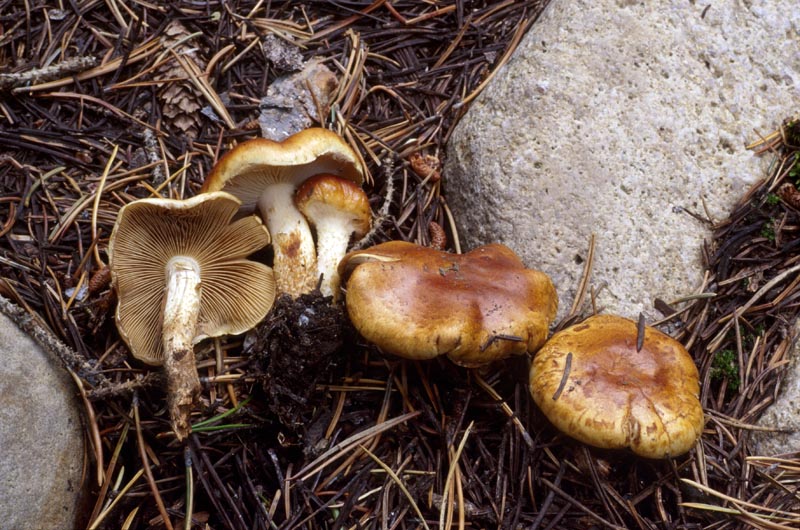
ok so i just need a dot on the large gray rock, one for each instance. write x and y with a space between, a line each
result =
611 118
784 414
41 438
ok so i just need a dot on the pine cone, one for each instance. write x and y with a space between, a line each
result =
180 100
790 195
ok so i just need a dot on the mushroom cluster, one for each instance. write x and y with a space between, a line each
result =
179 267
181 275
265 175
605 382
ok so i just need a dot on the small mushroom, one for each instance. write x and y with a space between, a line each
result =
180 273
417 302
594 384
265 174
338 208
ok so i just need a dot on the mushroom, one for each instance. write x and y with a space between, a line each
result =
180 274
264 174
594 384
338 208
417 302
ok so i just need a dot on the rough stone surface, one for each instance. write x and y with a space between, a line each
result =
41 439
611 118
784 414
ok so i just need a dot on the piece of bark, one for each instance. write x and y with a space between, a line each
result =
297 101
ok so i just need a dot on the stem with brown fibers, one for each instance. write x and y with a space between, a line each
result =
181 310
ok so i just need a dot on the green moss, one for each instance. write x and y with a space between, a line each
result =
726 366
768 230
794 172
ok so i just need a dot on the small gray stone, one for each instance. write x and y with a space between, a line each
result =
615 117
282 54
41 436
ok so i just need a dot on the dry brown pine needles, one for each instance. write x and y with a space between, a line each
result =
384 441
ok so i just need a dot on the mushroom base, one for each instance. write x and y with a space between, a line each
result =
297 346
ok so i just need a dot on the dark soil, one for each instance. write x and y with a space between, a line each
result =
297 346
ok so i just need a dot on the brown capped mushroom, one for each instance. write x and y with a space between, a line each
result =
593 384
180 273
265 174
418 303
338 208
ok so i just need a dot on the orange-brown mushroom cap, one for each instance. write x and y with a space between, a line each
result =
327 197
418 303
339 209
592 384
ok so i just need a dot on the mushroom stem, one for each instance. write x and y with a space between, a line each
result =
295 258
181 311
332 240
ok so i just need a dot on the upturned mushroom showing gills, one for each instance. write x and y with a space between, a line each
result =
265 174
180 273
418 303
338 208
604 384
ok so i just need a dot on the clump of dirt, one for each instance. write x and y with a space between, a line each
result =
298 345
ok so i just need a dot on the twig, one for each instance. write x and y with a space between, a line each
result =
108 389
714 344
33 326
112 464
345 445
561 493
450 474
187 463
93 429
54 71
506 408
584 283
119 497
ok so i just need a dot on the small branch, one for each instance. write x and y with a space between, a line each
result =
48 73
494 338
109 390
640 329
383 212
